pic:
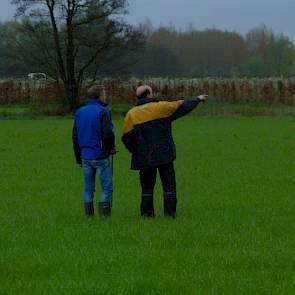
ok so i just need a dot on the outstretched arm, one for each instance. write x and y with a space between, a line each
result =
187 106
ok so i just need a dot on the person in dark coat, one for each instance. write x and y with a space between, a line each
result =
147 134
94 142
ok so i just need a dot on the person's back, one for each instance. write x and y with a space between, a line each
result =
148 137
89 122
94 142
148 134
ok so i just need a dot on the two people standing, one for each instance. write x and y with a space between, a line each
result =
147 134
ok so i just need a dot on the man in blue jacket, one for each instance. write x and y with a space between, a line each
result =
94 142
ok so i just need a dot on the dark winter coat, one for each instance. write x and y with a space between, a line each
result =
147 131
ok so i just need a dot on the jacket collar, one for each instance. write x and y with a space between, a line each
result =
142 101
96 101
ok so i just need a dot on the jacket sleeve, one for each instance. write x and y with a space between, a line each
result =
185 108
129 137
129 140
108 135
76 145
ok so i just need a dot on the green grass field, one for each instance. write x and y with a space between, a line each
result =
235 231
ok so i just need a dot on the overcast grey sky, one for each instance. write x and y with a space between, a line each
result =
238 15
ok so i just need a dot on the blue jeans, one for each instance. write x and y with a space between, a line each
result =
102 169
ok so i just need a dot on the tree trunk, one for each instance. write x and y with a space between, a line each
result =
72 83
72 93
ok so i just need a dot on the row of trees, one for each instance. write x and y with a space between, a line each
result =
71 40
145 51
212 52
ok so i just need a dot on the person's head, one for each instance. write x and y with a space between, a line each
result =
144 91
97 92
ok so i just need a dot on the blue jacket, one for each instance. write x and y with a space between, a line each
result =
93 136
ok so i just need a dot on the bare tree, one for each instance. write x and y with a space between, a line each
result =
70 38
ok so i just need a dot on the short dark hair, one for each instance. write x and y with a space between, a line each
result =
94 91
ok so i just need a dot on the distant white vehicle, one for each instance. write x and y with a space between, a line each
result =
37 76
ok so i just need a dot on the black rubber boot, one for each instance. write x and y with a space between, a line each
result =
104 209
89 209
147 206
170 204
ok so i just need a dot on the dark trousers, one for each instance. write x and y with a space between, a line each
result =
148 179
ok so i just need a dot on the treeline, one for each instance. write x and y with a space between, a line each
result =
212 52
169 52
263 90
